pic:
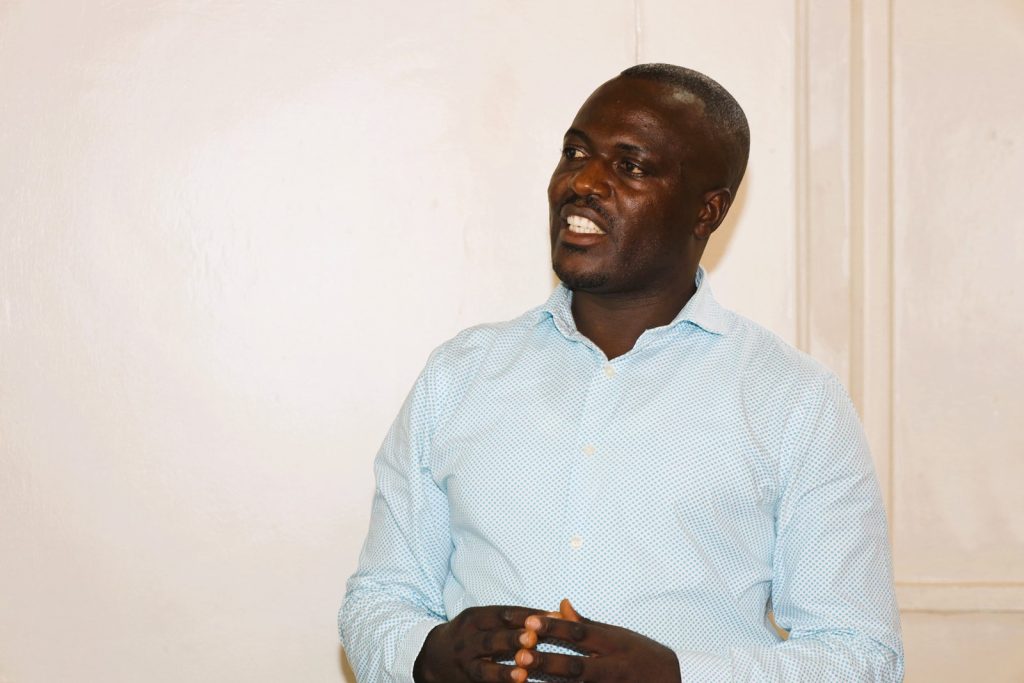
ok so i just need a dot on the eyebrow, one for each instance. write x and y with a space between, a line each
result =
624 146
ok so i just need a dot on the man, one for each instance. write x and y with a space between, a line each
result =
672 468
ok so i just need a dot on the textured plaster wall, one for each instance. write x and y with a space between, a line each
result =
230 233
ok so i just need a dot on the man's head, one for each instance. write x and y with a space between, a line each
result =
649 169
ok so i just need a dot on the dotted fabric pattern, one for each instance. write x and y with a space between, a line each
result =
680 490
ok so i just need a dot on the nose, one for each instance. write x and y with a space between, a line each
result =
590 179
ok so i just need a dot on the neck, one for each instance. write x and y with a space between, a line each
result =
615 321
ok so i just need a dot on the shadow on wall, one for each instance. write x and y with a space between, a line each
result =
346 669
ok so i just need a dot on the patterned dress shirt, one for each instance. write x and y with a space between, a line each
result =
684 490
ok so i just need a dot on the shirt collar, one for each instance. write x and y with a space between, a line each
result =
701 310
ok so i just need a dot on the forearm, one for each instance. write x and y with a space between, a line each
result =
814 657
395 596
832 583
382 632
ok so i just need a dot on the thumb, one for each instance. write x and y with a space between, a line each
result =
568 612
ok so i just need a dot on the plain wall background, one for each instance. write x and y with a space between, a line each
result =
231 232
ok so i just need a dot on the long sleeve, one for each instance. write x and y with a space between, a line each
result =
395 596
706 472
832 583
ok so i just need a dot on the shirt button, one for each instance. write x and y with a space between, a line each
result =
589 449
609 371
576 542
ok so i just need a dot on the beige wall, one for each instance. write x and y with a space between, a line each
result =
231 232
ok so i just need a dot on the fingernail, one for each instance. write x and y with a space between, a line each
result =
524 658
533 623
528 639
519 675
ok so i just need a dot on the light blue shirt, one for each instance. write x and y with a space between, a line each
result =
681 490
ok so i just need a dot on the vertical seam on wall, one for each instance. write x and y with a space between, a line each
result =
802 136
636 31
871 231
872 322
890 30
857 294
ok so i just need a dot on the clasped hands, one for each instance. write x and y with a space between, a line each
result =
471 646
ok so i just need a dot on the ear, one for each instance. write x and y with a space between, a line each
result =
711 215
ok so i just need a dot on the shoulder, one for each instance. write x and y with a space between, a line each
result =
764 356
474 344
782 386
821 431
453 365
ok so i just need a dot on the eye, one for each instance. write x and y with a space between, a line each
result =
572 153
631 169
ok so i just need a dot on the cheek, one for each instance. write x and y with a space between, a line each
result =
556 189
657 235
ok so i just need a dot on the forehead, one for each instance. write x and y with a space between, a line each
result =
642 111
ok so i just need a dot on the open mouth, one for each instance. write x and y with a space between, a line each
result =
583 226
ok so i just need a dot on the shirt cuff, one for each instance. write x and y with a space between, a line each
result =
409 649
703 667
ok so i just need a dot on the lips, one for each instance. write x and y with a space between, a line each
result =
581 220
583 225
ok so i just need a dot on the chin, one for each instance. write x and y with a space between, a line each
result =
581 281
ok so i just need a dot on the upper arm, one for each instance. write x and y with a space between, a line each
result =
832 564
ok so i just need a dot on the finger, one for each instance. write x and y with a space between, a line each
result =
528 639
568 612
488 672
515 617
564 666
496 643
494 617
572 632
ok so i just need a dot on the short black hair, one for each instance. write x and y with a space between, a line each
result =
722 111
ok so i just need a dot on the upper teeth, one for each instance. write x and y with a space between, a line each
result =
581 224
